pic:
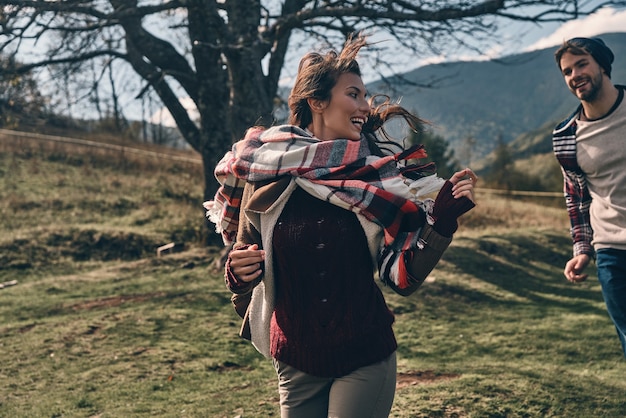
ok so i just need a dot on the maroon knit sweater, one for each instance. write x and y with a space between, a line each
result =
330 316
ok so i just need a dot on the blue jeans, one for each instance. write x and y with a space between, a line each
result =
611 265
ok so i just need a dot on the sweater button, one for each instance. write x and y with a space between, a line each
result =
320 246
324 300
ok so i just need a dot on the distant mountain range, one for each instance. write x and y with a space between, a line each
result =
516 99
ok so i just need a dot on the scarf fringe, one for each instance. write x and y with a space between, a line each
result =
392 259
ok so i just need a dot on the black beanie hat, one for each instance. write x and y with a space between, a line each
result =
597 49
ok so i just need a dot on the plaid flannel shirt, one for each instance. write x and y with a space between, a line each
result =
577 197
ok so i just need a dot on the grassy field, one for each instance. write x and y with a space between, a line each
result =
97 325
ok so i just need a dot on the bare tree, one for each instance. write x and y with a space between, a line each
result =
227 55
20 97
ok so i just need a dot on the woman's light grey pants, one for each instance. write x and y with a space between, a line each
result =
365 393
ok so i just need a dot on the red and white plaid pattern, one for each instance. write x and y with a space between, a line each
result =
342 172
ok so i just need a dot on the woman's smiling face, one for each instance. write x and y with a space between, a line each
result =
343 116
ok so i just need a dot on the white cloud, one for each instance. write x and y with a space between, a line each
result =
511 39
164 117
605 20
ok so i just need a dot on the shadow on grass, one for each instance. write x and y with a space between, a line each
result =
529 267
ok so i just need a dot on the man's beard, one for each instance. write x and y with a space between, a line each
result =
594 85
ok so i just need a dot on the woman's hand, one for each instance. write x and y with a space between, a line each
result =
246 263
454 199
463 183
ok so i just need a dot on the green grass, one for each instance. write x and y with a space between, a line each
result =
99 326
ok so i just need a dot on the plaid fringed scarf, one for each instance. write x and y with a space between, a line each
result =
342 172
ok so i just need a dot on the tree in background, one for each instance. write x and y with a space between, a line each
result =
226 56
20 97
439 152
503 174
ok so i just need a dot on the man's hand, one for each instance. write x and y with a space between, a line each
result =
574 268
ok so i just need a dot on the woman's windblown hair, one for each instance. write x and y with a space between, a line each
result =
318 74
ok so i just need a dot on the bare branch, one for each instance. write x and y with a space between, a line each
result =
25 68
